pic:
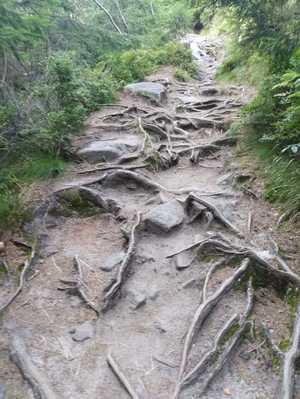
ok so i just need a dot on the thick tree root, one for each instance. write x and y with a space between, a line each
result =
215 211
289 361
40 386
147 183
225 247
210 356
121 376
212 269
192 246
200 316
26 267
111 167
242 327
113 291
76 287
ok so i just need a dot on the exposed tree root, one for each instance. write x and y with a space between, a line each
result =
225 247
76 287
113 291
289 360
210 356
94 196
200 316
148 183
215 211
111 167
121 376
242 326
197 122
26 267
212 269
202 148
192 246
37 381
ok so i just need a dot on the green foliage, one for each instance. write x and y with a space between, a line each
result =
270 27
134 65
12 211
61 60
266 54
182 75
73 203
275 113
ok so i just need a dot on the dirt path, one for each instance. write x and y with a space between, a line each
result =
178 326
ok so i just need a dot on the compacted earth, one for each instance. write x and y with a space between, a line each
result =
153 268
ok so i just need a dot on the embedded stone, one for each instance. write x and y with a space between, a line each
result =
154 91
165 217
102 151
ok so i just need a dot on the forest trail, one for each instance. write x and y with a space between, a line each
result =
154 277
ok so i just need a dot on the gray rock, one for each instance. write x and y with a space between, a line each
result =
136 298
83 332
112 262
98 151
226 179
2 391
153 294
154 91
183 260
165 217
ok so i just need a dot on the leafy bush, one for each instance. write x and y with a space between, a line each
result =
12 211
134 65
182 75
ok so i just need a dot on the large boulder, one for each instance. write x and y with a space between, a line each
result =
102 151
165 217
154 91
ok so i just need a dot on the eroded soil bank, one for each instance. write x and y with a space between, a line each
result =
157 272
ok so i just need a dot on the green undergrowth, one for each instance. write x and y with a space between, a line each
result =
73 204
14 178
41 149
281 174
270 123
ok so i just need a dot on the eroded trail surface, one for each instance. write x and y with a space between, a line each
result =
157 273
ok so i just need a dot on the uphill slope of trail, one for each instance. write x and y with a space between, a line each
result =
156 271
